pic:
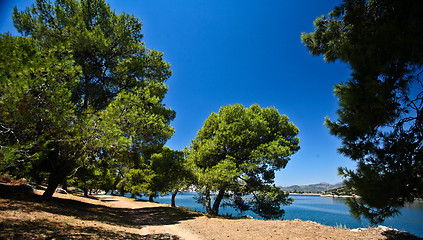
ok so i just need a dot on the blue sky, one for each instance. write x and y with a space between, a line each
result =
227 52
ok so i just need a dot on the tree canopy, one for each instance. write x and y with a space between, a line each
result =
237 151
380 117
112 97
36 112
171 172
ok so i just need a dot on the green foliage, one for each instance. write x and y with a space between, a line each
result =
380 115
36 111
116 101
171 172
268 202
138 180
107 46
375 191
94 175
221 174
136 117
239 149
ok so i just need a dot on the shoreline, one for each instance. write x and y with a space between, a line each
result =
416 200
355 229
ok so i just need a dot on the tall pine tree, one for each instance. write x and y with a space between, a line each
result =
118 99
380 120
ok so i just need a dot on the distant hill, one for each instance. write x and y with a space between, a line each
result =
312 188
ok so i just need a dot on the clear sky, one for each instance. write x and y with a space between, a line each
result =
226 52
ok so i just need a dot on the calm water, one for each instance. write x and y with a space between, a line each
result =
327 211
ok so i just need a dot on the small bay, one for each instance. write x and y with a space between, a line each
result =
323 210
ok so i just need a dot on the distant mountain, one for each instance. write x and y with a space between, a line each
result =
312 188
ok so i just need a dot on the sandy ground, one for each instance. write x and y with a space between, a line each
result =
112 217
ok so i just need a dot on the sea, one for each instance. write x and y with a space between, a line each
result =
324 210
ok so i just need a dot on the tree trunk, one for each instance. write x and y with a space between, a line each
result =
53 182
65 184
216 204
151 197
172 200
38 181
60 167
57 175
208 203
85 192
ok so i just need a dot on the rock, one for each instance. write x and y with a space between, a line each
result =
384 228
358 229
61 190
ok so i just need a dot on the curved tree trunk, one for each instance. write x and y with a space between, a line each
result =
216 204
53 181
151 198
59 170
172 200
60 167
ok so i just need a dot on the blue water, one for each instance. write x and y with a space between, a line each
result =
327 211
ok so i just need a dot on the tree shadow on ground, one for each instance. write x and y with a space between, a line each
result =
134 218
44 229
398 235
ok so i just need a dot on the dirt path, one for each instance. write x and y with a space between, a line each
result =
172 229
114 217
